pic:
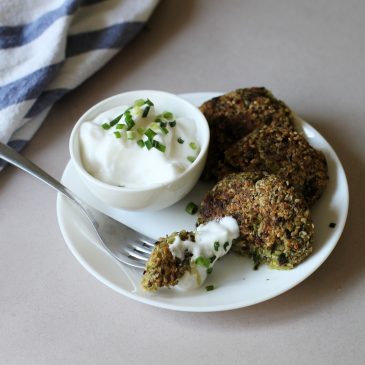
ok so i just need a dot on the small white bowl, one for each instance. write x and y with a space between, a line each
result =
145 198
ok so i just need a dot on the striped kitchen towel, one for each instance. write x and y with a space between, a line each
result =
48 47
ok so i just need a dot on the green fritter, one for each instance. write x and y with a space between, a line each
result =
283 151
162 268
274 219
234 115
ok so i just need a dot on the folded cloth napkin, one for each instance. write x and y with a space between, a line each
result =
47 48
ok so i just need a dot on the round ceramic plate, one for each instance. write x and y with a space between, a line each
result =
236 283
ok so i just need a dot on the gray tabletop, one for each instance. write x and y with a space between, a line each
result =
310 54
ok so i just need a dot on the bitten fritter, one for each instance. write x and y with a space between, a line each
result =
162 268
234 115
274 220
283 151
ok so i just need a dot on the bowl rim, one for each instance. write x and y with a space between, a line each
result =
200 158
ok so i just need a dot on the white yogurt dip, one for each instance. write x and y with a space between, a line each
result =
149 147
212 241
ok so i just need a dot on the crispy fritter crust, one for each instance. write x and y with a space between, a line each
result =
234 115
162 268
274 220
283 151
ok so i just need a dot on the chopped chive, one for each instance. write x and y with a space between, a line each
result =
115 120
192 145
164 129
129 120
158 120
140 143
203 261
191 208
149 102
150 133
154 125
216 246
191 158
119 126
117 134
145 111
140 131
105 126
167 115
172 124
130 124
212 259
209 287
131 134
180 140
209 270
163 124
225 246
159 146
148 144
139 102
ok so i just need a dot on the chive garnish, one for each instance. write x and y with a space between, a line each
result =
140 143
139 102
163 124
119 126
131 134
180 140
191 208
105 126
209 270
145 111
172 124
117 134
191 158
115 120
225 246
216 246
203 261
192 145
148 144
212 259
140 131
149 102
164 130
209 287
167 115
150 133
159 146
158 120
129 120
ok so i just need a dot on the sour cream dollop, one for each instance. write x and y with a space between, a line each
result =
145 147
212 241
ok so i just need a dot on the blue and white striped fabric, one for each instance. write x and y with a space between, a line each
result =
48 47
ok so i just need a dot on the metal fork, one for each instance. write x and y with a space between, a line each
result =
123 243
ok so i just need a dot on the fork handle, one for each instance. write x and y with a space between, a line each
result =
10 155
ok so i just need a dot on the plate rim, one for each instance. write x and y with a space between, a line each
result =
221 307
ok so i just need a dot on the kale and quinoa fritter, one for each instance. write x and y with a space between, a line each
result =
162 268
283 151
234 115
274 220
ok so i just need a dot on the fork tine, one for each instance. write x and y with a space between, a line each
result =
142 248
136 254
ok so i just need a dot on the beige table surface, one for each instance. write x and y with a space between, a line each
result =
311 54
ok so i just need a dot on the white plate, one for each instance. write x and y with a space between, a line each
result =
236 283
